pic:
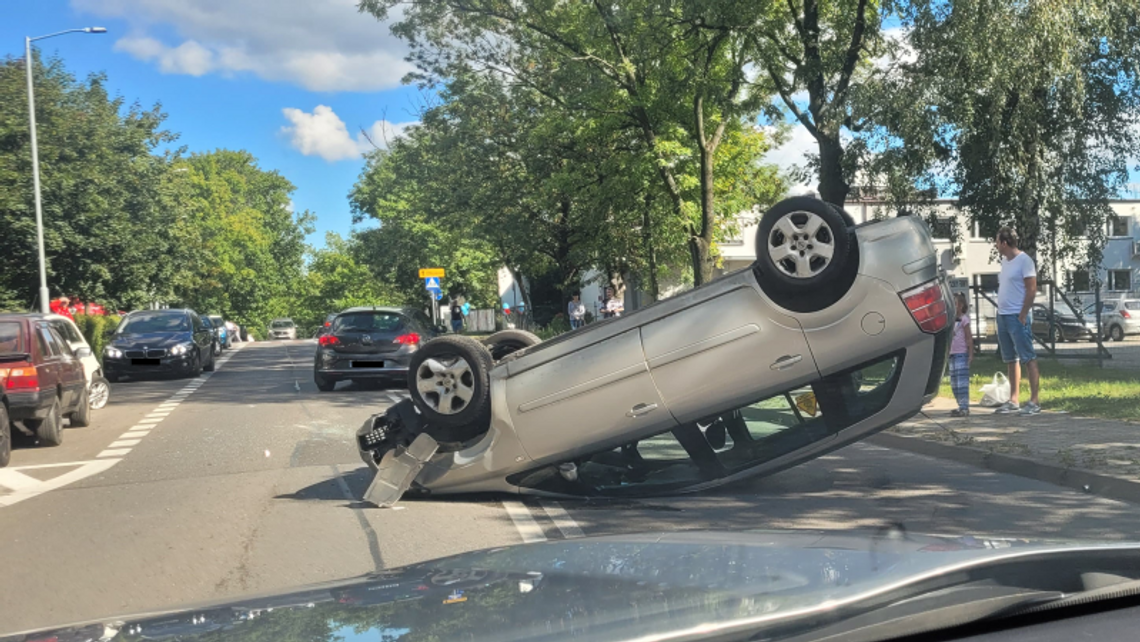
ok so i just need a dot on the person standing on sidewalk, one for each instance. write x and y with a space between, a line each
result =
961 355
576 311
1017 287
456 316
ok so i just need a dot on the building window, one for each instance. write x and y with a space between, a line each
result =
942 228
1118 226
1120 280
985 231
1079 281
988 282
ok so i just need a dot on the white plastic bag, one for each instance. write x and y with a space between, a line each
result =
996 393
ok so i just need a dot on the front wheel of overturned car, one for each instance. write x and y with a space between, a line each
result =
324 384
449 381
507 342
802 243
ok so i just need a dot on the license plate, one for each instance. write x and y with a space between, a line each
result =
145 362
367 364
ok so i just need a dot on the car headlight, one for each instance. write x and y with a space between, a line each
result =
113 352
181 348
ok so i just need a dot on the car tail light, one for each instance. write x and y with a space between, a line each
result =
1124 313
927 304
328 340
409 339
25 378
328 323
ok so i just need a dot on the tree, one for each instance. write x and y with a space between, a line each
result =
240 248
672 72
335 280
104 186
1027 111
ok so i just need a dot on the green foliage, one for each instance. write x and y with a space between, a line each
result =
336 279
97 330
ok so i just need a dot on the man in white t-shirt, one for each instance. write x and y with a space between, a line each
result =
1017 287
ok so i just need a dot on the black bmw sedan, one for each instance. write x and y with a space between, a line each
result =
159 341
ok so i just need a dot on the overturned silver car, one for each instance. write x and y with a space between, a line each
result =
836 332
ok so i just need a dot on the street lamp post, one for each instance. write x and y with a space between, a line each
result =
44 294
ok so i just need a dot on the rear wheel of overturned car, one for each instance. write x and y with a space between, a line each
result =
802 243
507 342
81 417
49 430
324 384
449 381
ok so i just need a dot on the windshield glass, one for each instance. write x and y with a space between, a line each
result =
538 272
9 337
369 322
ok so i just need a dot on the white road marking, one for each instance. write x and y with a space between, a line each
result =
396 397
84 469
562 520
113 452
15 480
134 434
123 443
528 529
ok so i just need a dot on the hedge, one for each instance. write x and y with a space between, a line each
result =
97 329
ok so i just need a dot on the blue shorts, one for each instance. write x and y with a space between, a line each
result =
1015 338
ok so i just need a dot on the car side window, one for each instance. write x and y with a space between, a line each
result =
61 343
49 345
67 331
42 344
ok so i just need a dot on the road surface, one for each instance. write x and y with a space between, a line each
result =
247 480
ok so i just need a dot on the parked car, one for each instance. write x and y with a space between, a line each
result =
160 342
282 329
370 343
225 339
1065 322
42 378
98 389
836 332
1120 318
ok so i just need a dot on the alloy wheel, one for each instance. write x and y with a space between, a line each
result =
446 385
801 244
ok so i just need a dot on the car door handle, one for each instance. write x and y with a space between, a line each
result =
641 409
787 361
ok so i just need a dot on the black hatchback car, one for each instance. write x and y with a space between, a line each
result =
160 342
370 343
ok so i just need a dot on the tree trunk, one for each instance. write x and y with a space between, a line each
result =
833 187
650 252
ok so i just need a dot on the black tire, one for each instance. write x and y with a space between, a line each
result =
196 370
792 261
81 416
5 436
99 393
49 430
324 384
1059 334
432 388
507 342
213 360
1116 333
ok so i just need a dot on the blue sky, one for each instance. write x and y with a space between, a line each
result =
225 71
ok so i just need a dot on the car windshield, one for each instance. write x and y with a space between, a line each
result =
154 323
558 284
369 322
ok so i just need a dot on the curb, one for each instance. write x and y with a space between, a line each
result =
1075 478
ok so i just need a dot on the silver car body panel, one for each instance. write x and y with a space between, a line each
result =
709 350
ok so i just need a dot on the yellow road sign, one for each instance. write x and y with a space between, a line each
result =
807 403
429 272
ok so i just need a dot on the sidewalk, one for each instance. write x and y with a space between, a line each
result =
1095 455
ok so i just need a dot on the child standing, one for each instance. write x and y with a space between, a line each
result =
961 354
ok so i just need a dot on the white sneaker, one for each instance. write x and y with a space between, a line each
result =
1007 408
1030 409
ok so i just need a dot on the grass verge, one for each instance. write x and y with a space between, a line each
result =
1084 390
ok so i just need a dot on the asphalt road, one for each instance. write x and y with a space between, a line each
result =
247 480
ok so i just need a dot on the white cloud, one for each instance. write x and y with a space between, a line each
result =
321 45
322 133
792 154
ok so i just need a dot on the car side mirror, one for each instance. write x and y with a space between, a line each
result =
83 352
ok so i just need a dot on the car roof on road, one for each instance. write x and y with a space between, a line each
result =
377 308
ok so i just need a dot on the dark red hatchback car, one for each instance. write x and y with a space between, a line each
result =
41 378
